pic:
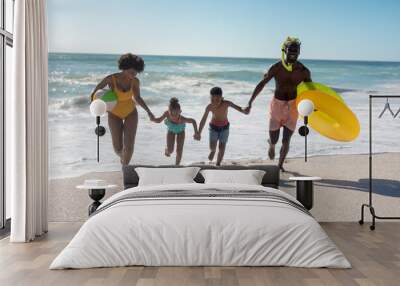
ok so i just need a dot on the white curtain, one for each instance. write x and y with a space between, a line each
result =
26 123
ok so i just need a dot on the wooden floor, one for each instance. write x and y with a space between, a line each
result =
375 257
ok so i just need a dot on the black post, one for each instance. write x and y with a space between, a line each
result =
370 150
96 195
98 137
305 193
305 138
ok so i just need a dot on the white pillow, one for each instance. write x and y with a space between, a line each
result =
166 176
248 177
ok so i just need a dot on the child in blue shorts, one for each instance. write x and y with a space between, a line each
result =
219 125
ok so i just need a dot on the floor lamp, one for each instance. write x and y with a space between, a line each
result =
98 108
305 108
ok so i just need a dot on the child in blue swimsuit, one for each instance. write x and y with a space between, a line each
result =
176 124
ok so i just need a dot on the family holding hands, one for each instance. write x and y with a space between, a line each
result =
218 127
123 118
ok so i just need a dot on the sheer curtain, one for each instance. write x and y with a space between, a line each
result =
26 123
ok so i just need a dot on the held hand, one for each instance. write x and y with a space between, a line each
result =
247 110
197 136
151 116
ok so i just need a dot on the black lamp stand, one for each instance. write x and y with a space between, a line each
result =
303 131
100 131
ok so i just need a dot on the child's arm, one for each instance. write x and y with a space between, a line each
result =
104 82
204 118
161 118
236 107
139 99
194 123
191 121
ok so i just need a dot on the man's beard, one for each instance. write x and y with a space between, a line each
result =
291 59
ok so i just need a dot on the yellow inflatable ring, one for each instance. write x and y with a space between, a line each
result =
306 86
331 118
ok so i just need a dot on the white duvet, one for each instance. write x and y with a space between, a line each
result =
200 231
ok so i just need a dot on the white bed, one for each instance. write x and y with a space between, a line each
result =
267 229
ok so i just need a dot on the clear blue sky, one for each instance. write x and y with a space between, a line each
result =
339 29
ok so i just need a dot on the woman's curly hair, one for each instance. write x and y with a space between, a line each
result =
130 61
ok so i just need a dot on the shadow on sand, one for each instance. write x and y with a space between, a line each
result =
383 187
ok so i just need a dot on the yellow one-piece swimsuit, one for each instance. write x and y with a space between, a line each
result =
125 102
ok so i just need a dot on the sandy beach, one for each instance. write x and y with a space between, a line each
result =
337 197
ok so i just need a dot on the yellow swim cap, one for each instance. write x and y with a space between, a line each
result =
290 41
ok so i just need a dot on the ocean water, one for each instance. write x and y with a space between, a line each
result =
72 77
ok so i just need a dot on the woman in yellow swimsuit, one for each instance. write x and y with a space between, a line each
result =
123 118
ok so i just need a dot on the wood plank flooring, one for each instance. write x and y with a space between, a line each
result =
375 257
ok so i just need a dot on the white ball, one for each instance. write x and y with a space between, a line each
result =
98 107
305 107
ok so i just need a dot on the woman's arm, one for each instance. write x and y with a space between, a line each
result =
161 118
204 119
139 99
105 81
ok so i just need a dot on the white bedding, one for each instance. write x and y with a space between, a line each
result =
185 231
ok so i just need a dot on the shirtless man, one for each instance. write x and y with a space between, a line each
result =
219 125
288 73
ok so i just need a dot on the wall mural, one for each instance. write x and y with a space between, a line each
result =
129 100
187 82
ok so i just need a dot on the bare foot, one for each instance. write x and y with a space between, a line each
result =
211 156
119 154
271 151
167 153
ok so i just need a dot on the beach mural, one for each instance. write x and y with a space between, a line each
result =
217 82
72 78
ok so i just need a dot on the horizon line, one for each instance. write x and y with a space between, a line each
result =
229 57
